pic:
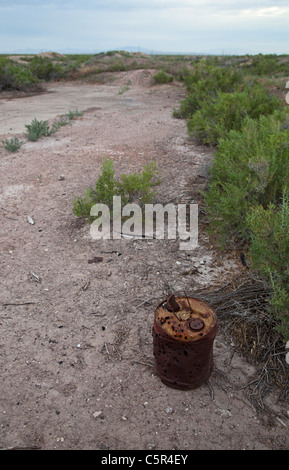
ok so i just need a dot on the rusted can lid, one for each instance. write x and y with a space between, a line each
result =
185 318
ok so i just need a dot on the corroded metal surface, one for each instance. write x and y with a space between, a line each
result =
183 334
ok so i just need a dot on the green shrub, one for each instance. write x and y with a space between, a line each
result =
269 252
138 187
73 114
117 67
132 188
12 145
251 167
227 111
163 77
16 77
204 84
37 129
269 65
44 69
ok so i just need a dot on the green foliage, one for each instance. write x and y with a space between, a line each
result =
132 188
13 144
250 171
269 251
73 114
227 111
251 167
139 187
15 76
37 129
267 65
44 69
163 77
204 84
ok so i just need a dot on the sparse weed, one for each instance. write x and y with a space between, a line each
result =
123 90
73 114
37 129
12 145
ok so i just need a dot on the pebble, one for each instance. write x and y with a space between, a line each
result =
169 410
97 414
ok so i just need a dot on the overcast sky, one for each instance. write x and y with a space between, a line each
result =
183 26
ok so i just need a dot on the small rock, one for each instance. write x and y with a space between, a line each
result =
97 414
169 410
225 413
30 220
61 177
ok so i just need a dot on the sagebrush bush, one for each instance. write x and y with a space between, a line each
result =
269 253
227 111
204 84
135 187
14 76
44 69
162 77
267 65
250 167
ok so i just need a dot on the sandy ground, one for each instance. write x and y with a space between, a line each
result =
76 345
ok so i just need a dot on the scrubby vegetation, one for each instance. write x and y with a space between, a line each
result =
13 144
163 77
135 187
29 72
37 129
15 77
236 106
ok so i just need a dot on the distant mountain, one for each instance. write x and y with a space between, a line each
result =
97 51
229 51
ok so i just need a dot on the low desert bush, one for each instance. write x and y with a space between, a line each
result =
250 167
204 84
13 144
135 187
267 65
37 129
269 250
16 77
163 77
44 69
227 111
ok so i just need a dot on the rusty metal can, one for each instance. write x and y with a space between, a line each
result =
183 334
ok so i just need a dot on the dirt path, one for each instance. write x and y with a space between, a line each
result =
76 357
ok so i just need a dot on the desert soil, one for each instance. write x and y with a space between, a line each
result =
76 337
